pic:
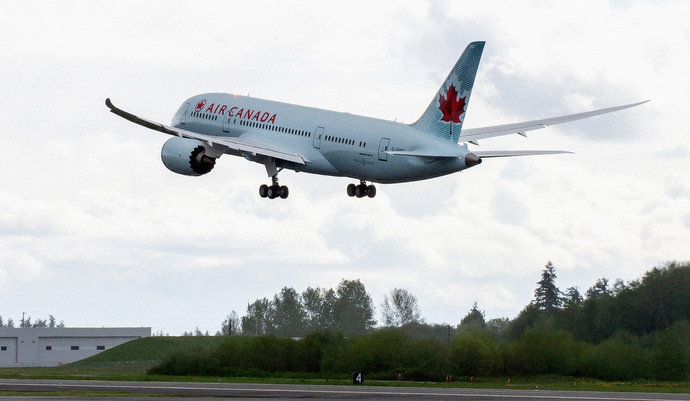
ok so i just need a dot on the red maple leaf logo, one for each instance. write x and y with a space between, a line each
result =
200 105
451 108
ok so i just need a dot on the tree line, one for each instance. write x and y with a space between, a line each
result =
26 322
622 331
347 309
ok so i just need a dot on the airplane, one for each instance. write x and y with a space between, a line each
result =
305 139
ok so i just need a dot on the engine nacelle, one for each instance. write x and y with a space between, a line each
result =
186 156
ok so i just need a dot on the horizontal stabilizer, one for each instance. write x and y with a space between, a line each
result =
513 153
426 153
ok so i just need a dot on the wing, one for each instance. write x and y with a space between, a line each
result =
472 135
219 144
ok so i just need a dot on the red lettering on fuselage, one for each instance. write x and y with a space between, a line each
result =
256 115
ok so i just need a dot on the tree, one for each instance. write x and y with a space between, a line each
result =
51 321
288 313
474 320
318 309
10 323
600 288
401 308
547 296
353 309
498 328
259 318
572 297
231 325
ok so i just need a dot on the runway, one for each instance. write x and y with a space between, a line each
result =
208 391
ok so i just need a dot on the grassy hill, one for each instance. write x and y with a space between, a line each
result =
152 349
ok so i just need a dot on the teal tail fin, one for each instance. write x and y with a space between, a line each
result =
445 114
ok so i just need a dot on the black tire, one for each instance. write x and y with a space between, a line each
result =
263 191
351 190
284 192
371 191
271 192
361 191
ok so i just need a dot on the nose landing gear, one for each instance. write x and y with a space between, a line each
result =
361 190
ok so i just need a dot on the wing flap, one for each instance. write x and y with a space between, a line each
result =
219 144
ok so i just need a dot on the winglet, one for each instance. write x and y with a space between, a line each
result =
138 120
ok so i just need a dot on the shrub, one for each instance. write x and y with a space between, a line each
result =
476 355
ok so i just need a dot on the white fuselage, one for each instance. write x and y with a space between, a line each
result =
333 143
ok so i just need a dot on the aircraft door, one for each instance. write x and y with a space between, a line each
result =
226 123
317 137
383 147
183 117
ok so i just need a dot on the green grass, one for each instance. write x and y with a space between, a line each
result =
131 360
153 349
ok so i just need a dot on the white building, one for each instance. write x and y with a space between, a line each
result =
52 346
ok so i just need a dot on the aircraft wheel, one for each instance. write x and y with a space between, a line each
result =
351 190
284 192
361 191
371 191
271 192
263 191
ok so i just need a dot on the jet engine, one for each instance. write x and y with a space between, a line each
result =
186 156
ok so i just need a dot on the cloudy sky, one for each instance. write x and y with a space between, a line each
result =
95 231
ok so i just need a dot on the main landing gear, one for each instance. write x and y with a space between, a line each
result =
361 190
274 191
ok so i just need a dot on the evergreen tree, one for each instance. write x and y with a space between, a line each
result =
572 297
474 318
51 321
600 288
547 296
401 308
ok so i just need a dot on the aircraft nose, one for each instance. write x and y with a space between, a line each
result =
472 160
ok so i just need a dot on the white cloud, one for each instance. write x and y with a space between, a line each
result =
103 234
